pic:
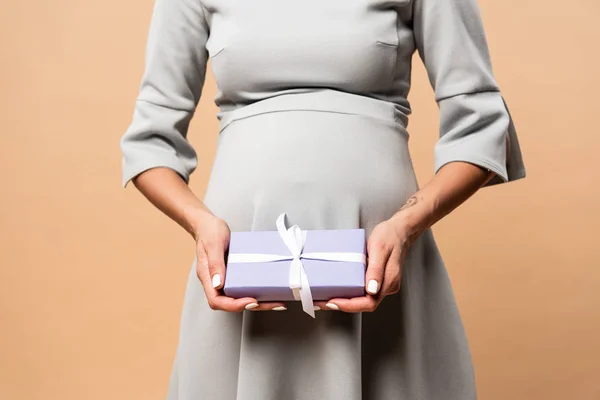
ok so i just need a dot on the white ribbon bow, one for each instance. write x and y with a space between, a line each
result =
294 238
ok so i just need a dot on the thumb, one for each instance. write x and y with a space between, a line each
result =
215 254
378 255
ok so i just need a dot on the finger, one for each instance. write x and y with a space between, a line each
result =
216 263
215 299
225 303
270 306
392 275
378 256
201 261
366 303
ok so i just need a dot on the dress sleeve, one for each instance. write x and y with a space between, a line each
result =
175 68
475 124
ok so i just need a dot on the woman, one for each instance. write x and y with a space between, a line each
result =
313 100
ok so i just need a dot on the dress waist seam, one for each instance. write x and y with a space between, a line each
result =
321 101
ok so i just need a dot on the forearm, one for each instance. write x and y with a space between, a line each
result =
450 187
166 190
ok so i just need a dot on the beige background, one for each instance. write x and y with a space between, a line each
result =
92 277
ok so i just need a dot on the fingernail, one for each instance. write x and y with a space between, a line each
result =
372 286
251 306
216 280
280 308
317 308
332 306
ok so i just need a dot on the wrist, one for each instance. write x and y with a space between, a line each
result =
413 218
196 217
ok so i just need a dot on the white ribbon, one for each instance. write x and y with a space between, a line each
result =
294 238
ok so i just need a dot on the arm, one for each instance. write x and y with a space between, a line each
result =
449 188
164 188
389 242
157 156
168 192
478 145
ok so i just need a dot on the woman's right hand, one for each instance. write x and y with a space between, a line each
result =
212 240
171 194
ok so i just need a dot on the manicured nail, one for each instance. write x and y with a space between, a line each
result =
216 280
332 306
251 306
280 308
372 286
317 308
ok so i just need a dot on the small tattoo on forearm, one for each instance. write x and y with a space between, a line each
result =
409 203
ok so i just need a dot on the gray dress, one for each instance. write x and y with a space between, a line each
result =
313 115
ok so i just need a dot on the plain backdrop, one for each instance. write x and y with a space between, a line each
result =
92 277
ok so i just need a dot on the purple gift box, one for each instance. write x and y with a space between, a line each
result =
270 281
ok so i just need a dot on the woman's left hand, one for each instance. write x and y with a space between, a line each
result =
386 249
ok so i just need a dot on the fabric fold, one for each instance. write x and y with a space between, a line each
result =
477 128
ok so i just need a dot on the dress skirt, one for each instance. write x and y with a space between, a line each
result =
329 163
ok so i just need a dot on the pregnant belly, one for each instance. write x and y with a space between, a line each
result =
326 170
